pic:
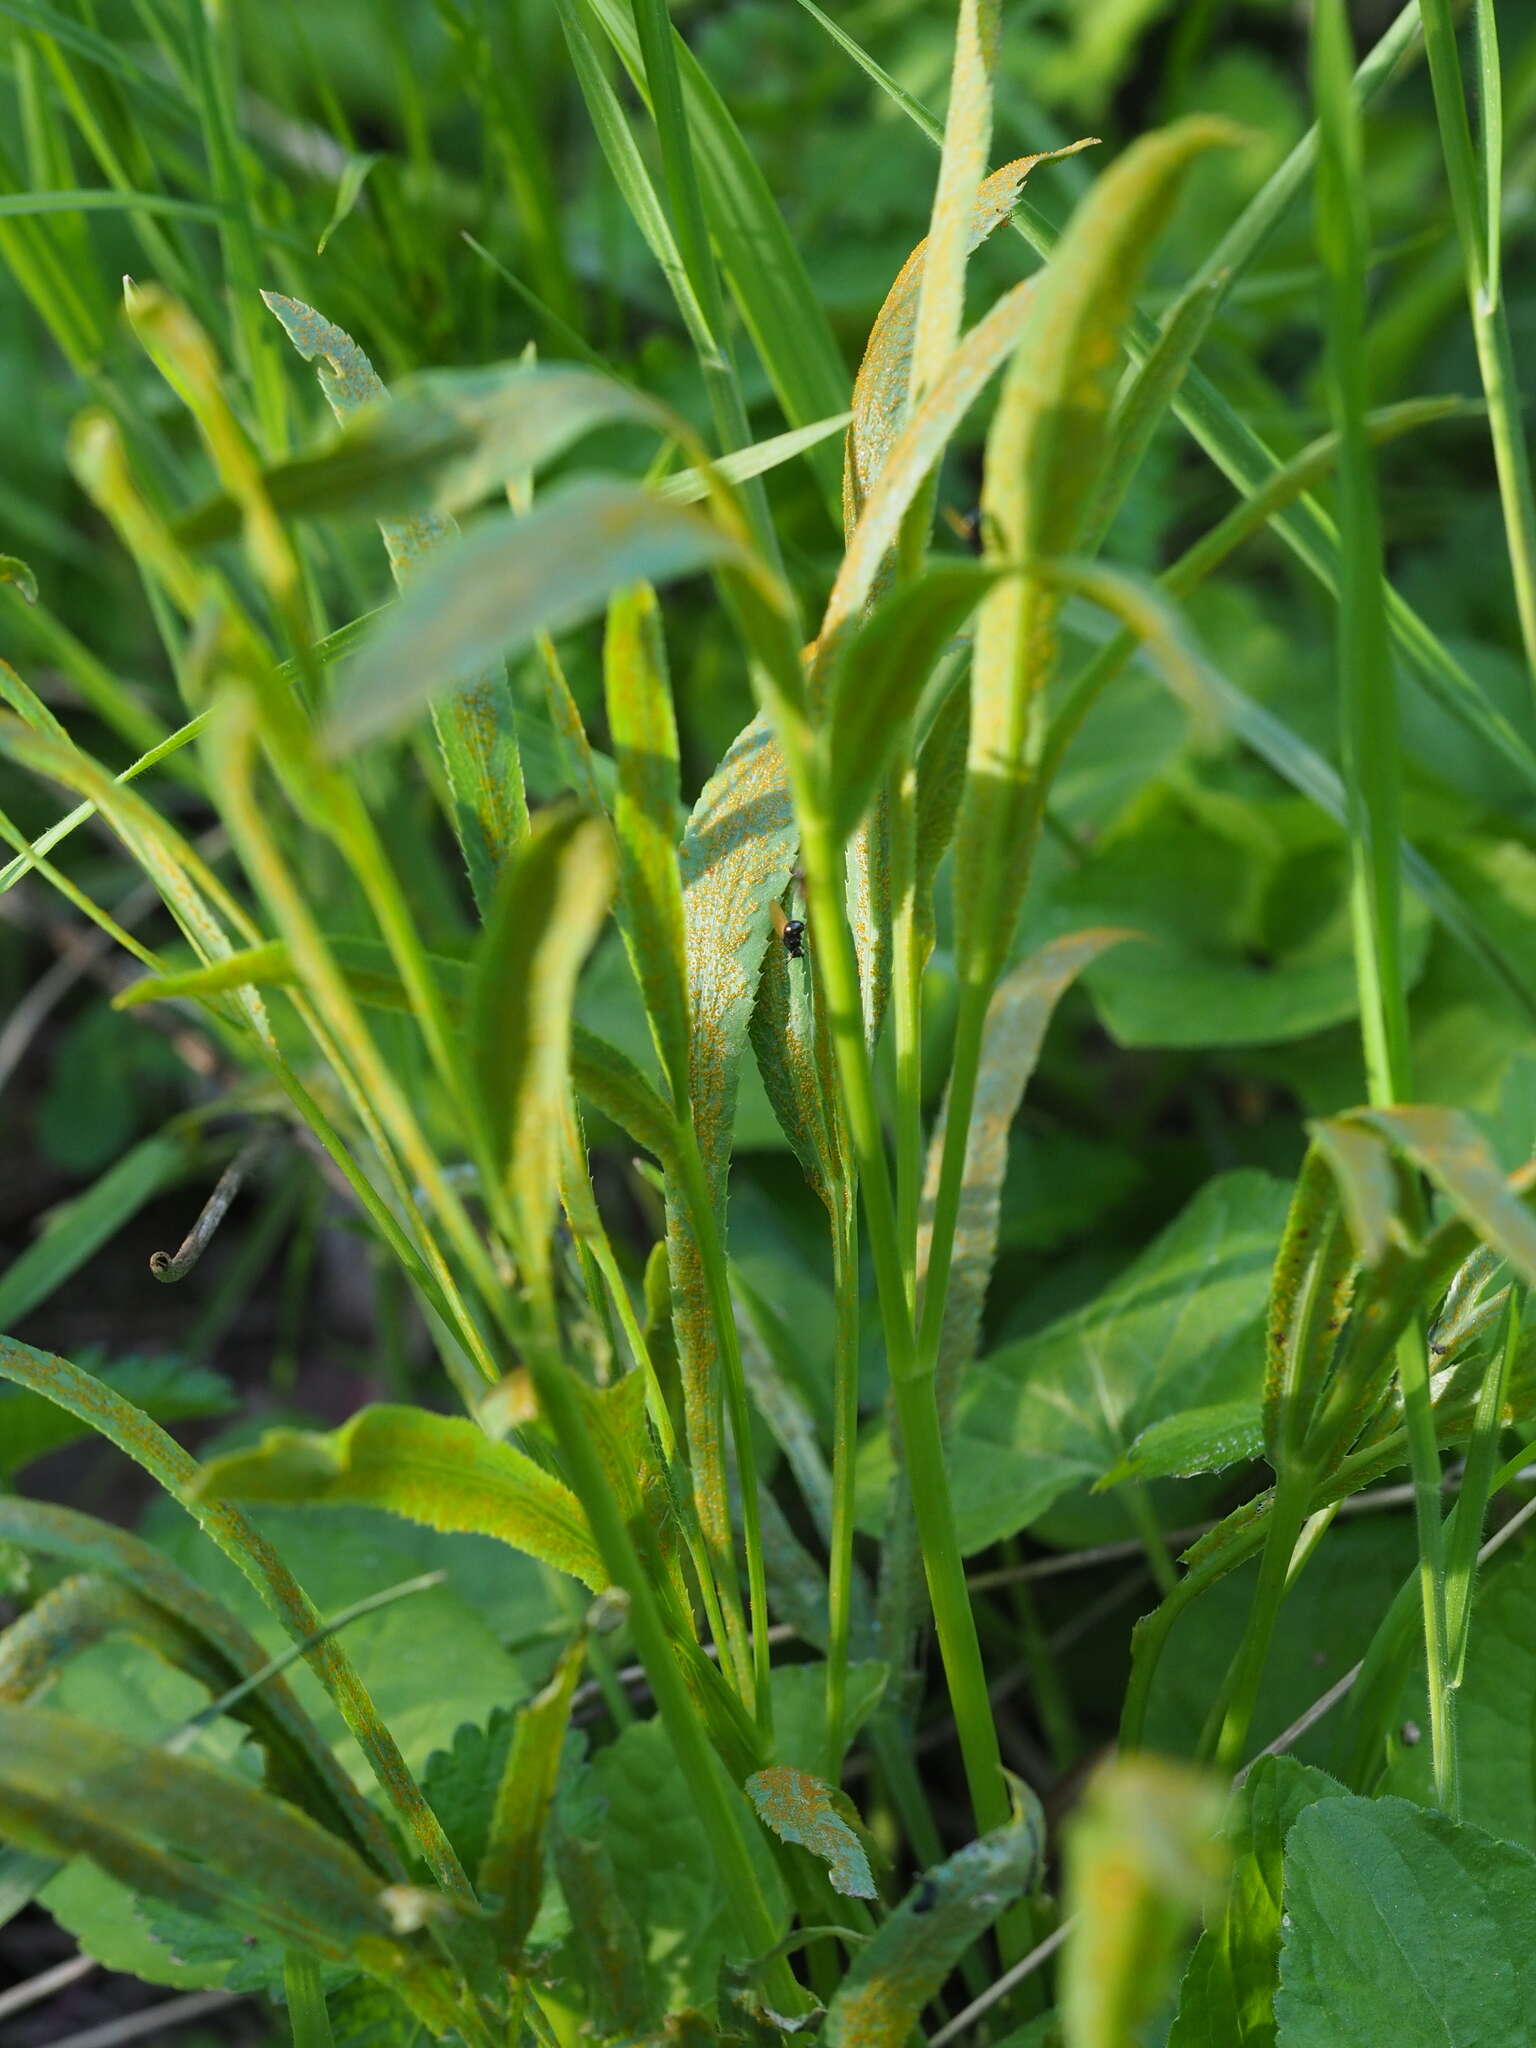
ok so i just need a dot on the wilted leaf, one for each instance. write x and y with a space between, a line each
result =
435 1469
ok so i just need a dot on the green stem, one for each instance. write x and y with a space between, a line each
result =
1465 1534
1476 216
912 1386
307 2018
1138 1502
1293 1499
721 1813
845 1435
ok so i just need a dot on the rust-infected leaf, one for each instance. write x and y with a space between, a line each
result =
436 1469
803 1809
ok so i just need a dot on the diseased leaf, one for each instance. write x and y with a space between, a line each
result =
803 1809
1227 1999
549 905
881 389
604 1935
513 1865
1141 1853
896 1973
509 579
644 729
435 1469
169 1389
1403 1926
1045 455
182 1830
1448 1147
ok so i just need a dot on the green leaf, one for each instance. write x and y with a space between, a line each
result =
513 1865
180 1829
1059 1409
879 673
76 1231
348 191
435 1469
1227 1999
804 1809
632 1800
638 694
13 570
607 1942
460 1782
1447 1146
549 905
1402 1926
509 579
167 1388
611 1082
1141 1854
800 1708
893 1976
1045 456
1195 1440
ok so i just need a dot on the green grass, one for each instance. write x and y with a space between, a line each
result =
449 750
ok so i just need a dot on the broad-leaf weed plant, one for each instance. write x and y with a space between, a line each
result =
631 809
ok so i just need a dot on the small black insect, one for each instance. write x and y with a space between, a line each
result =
926 1896
793 936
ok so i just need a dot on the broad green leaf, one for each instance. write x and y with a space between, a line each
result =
182 1830
1045 456
882 387
435 1469
1142 1853
800 1708
1227 1999
879 671
549 905
513 1865
632 1800
894 1975
477 729
643 725
1496 1731
76 1231
167 1388
804 1809
1181 1326
511 578
1207 1439
461 1782
1403 1926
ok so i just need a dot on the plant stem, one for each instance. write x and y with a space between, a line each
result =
1293 1498
845 1433
1465 1534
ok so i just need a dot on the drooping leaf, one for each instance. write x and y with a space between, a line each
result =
1179 1328
511 578
1142 1852
349 188
549 905
16 572
1448 1147
1227 1999
611 1082
804 1809
640 717
1402 1925
436 1469
894 1975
